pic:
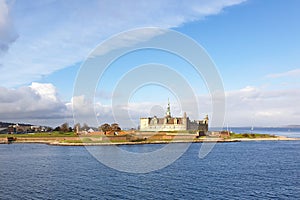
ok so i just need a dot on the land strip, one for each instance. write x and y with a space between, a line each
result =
69 139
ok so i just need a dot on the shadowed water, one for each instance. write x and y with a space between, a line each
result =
248 170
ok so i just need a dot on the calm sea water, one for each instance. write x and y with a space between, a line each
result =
282 131
245 170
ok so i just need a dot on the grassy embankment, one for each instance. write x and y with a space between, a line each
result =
44 134
71 137
250 135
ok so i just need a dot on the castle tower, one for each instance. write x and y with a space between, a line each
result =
168 113
185 120
206 119
184 115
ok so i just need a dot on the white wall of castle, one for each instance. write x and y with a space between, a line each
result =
164 127
145 125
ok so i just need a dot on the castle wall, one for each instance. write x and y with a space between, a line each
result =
192 125
169 123
164 127
144 123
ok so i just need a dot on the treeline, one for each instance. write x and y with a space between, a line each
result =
106 127
63 128
85 127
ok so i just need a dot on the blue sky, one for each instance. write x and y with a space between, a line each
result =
254 44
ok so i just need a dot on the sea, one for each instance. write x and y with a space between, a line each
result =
236 170
279 131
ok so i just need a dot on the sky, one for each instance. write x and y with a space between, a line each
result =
253 44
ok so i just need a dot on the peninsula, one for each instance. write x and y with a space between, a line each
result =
131 137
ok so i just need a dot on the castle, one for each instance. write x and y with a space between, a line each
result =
169 123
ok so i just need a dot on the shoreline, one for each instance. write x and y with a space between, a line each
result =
56 142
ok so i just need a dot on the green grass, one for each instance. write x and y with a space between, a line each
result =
82 140
42 134
250 135
117 141
89 140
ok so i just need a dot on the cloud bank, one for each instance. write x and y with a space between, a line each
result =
37 101
259 107
40 103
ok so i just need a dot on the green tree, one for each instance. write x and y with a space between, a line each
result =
105 127
57 128
64 127
115 127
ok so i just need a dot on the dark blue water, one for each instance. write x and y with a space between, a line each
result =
246 170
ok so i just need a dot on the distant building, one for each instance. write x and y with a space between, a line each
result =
16 128
169 123
223 134
91 130
25 128
3 130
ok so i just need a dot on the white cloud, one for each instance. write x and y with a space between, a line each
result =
291 73
245 107
38 101
57 34
3 13
45 90
7 32
126 40
261 107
